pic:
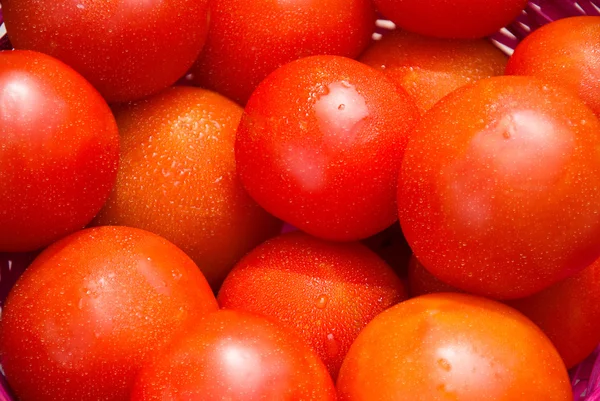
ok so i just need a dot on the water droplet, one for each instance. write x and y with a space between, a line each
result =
444 364
506 135
322 301
341 107
333 346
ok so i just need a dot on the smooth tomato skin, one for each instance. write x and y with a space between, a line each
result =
126 49
326 292
249 39
458 19
320 145
430 68
499 188
85 316
453 346
59 153
235 355
178 179
565 52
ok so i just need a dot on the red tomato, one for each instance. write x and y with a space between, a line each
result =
565 52
85 316
453 347
235 356
178 179
126 49
320 145
429 68
499 191
249 39
59 151
568 312
467 19
391 246
324 291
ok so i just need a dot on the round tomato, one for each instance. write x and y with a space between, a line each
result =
453 347
178 179
320 145
59 151
249 39
499 190
430 68
466 19
324 291
85 316
565 52
234 355
126 49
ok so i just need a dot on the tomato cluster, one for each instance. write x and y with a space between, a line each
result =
255 200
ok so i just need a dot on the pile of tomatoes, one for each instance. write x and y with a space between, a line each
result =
255 200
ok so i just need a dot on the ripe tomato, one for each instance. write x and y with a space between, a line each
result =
467 19
324 291
126 49
499 191
565 52
59 151
320 145
453 347
249 39
233 355
178 179
568 312
430 68
391 246
85 316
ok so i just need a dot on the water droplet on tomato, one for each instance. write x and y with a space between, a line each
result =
332 345
444 364
322 301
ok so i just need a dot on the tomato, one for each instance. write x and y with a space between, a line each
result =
429 68
320 145
466 19
453 347
90 310
499 191
178 179
126 49
234 355
249 39
59 151
392 247
326 292
565 52
568 312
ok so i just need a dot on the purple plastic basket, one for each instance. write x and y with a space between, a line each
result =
585 378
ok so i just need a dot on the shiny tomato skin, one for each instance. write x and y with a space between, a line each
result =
238 356
249 39
458 19
178 179
499 188
326 292
452 346
126 49
565 52
89 311
430 68
320 144
568 312
59 151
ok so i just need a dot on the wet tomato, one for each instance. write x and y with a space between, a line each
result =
89 311
320 145
126 49
233 355
499 191
178 179
326 292
465 19
430 68
565 52
59 151
453 346
249 39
